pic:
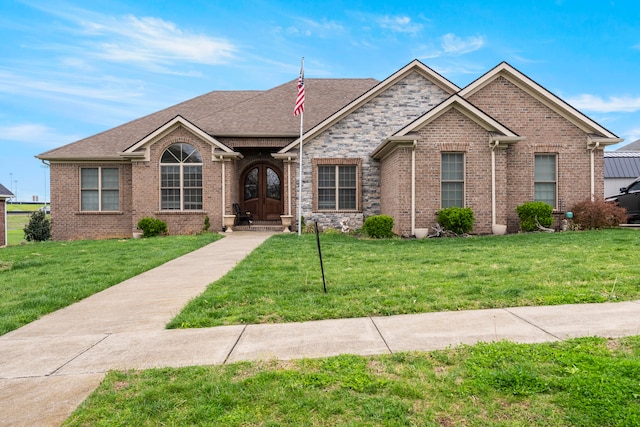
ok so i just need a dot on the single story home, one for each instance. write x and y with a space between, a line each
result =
4 195
406 147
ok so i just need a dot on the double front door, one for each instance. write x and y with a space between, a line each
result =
262 192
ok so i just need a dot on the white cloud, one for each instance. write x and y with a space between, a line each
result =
618 104
35 134
399 24
454 45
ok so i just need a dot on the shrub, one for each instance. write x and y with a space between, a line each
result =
594 215
456 220
206 225
378 226
39 227
152 226
529 211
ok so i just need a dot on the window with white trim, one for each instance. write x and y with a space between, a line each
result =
181 178
452 180
337 187
99 189
545 179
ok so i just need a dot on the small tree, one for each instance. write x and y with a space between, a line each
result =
39 227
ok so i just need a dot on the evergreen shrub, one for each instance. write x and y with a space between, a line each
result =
457 220
529 211
378 226
152 226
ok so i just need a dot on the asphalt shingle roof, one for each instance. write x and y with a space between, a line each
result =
227 113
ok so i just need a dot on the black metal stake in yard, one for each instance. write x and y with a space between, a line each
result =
324 285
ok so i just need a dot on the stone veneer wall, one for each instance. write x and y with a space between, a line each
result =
68 222
545 132
358 134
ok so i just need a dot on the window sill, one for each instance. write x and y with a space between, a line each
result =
99 213
178 212
337 211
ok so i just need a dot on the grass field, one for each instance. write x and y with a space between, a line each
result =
583 382
38 278
281 281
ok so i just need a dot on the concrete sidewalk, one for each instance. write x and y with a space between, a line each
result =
50 366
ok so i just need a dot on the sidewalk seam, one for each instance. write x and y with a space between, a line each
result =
78 355
235 344
533 324
381 336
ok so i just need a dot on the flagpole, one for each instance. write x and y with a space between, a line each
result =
300 161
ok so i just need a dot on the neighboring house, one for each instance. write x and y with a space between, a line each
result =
405 147
4 195
621 167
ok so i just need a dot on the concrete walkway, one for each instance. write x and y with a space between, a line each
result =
47 368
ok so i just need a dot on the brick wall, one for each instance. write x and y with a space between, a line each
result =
358 134
395 189
545 132
69 223
146 187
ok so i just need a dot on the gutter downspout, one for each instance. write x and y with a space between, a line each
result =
493 182
593 171
224 189
413 187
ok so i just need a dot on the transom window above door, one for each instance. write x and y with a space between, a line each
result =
181 178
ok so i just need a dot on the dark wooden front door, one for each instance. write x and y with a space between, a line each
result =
262 192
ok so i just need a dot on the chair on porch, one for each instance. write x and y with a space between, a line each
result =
242 216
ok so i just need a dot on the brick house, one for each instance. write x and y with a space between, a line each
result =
4 195
406 147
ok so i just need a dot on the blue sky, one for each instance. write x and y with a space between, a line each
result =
71 69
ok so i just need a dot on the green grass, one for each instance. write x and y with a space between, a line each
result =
580 382
30 207
281 281
38 278
15 228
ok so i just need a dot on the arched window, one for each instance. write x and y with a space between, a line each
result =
181 178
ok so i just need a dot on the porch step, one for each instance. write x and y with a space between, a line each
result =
274 226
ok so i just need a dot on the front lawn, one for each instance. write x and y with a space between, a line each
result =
582 382
38 278
281 280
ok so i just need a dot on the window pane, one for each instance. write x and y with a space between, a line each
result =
251 184
190 154
347 176
193 199
170 198
452 167
110 178
110 200
326 177
170 177
89 200
452 194
545 167
326 198
89 178
192 176
273 184
347 199
545 192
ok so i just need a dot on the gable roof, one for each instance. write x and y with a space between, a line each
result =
546 97
224 113
498 131
621 164
633 146
413 66
141 148
5 193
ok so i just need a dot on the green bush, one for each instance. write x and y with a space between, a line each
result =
457 220
206 225
594 215
39 227
529 211
378 226
152 226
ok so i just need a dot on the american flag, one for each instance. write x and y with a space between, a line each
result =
299 108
